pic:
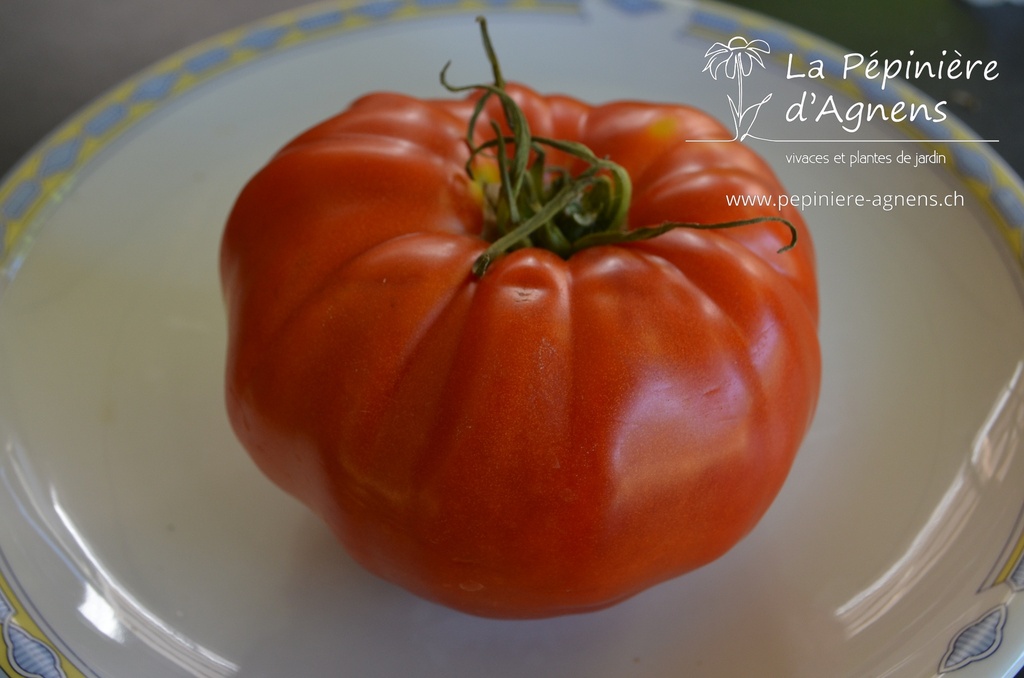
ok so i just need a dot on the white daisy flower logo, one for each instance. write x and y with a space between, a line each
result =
736 60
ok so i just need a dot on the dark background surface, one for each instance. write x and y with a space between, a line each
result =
58 55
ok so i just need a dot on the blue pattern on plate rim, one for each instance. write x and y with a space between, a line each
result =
975 642
29 656
26 654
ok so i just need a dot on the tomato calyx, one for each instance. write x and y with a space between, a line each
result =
533 205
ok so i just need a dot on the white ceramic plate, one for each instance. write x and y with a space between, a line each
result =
138 540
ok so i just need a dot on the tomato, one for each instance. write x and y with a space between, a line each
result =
551 436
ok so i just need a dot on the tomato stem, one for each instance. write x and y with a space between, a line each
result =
492 56
540 206
605 238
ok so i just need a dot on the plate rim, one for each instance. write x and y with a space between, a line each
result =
49 169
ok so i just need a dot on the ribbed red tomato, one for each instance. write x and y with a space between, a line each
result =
556 434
